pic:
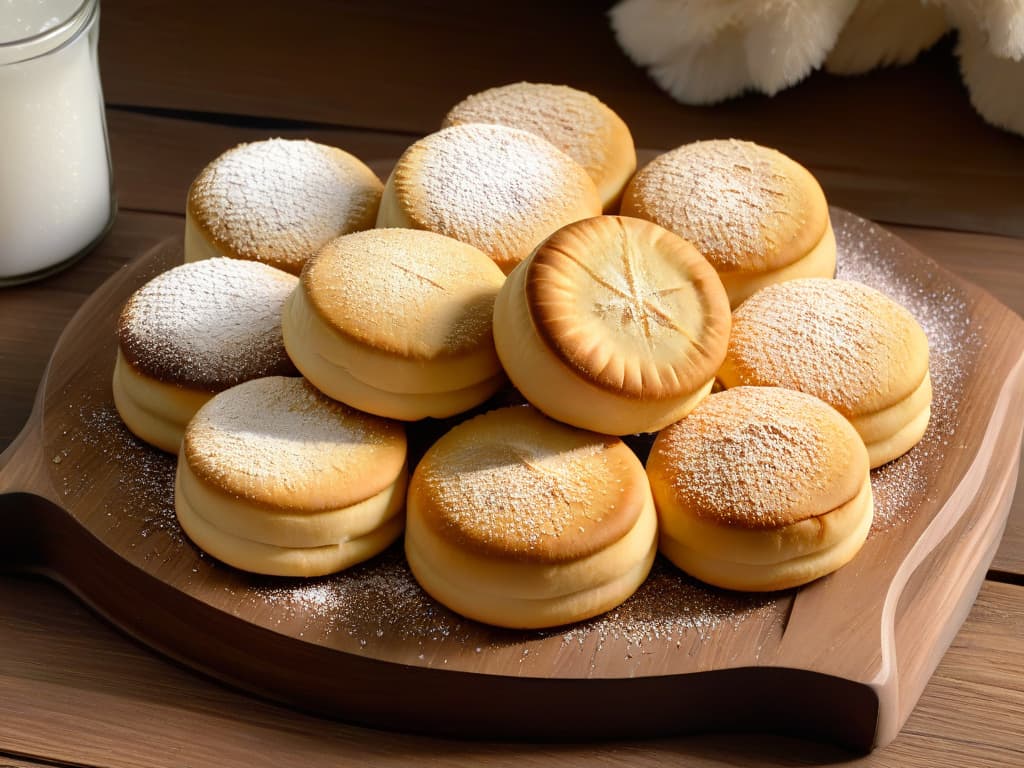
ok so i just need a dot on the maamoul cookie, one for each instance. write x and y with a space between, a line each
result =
758 216
520 521
500 189
397 322
613 324
191 332
276 478
278 201
845 343
576 122
761 488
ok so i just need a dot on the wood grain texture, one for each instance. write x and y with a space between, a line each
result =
879 143
32 316
847 661
77 691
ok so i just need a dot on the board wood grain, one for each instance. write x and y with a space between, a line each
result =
845 657
78 692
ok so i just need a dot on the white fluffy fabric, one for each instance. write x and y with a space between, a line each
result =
995 83
885 32
704 51
1000 22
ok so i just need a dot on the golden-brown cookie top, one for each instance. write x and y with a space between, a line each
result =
279 442
758 458
208 325
841 341
629 306
576 122
410 293
500 189
746 208
278 201
517 485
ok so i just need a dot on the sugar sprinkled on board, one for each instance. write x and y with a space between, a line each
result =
380 601
869 255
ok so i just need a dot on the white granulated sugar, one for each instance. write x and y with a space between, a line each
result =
574 121
281 199
727 197
871 256
209 324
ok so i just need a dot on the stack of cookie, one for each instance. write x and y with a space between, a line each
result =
518 247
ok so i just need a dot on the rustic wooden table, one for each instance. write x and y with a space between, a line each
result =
185 81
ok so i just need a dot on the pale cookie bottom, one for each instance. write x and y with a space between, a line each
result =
503 578
310 346
289 527
820 261
526 613
197 247
749 546
530 595
768 577
257 557
154 410
556 390
892 431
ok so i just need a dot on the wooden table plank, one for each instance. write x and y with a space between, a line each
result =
900 145
75 690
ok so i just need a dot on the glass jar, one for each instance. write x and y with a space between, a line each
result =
56 191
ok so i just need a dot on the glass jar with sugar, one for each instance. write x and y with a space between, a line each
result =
56 194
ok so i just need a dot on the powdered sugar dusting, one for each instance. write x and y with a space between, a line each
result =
279 200
280 434
670 607
500 189
208 325
513 493
728 197
574 121
414 293
871 256
750 456
838 340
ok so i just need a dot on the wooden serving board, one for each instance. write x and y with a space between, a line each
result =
844 658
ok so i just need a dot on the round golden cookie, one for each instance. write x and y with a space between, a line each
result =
757 215
276 478
397 322
191 332
761 488
278 201
500 189
613 324
520 521
845 343
576 122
